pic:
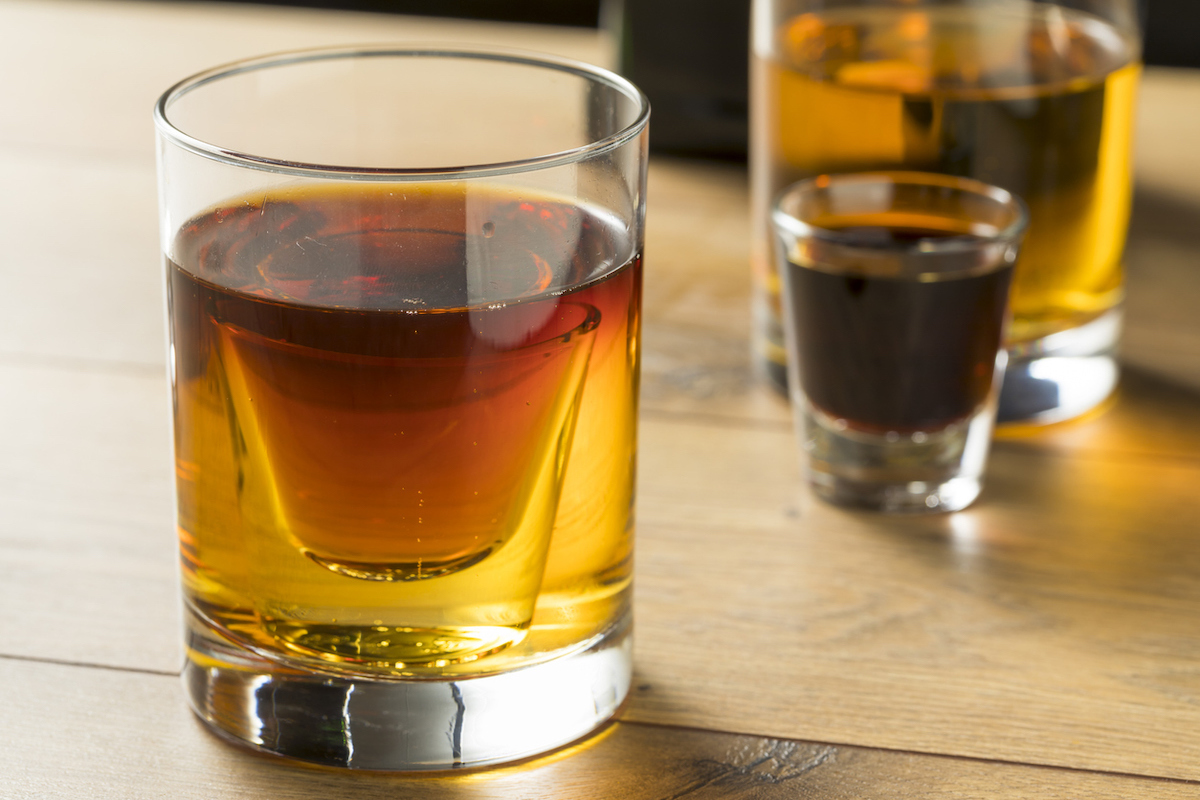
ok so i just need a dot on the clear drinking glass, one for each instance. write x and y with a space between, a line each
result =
1034 97
895 298
404 290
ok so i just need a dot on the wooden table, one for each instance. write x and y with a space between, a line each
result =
1045 642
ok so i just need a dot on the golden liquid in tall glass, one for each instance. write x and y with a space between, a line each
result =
1034 98
405 425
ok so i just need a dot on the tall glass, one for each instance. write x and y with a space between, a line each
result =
1034 97
404 290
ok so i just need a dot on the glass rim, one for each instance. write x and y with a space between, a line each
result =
1012 232
168 130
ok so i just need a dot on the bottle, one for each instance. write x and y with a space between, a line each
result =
691 59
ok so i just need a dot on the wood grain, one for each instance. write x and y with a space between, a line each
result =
82 265
1052 623
88 565
102 734
101 66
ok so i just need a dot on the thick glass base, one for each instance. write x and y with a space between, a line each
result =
911 497
1063 375
388 724
917 472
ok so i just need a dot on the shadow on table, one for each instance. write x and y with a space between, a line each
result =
1151 415
623 760
1162 326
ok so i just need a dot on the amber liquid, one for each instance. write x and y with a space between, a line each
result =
404 421
896 353
1034 98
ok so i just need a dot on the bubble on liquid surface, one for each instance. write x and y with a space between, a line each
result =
489 228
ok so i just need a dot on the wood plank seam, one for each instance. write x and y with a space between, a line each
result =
900 751
89 665
82 364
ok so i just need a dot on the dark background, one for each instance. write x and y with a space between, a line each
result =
1172 26
1173 33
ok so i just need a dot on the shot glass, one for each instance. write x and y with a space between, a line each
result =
403 289
895 289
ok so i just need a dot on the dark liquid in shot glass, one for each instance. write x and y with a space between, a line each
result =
897 353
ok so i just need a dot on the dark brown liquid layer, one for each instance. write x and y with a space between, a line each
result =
401 371
895 354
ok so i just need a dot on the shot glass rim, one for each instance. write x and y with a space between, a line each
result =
797 227
180 138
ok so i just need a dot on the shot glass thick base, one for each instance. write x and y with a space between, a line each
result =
916 473
1063 375
404 724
